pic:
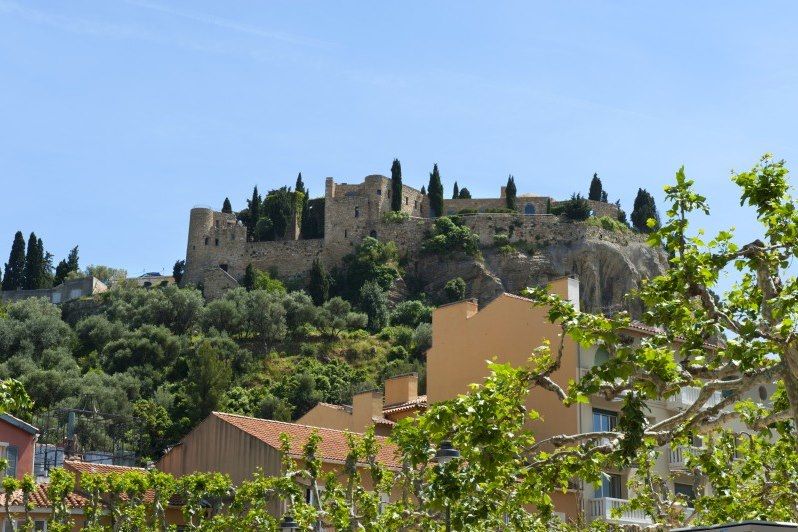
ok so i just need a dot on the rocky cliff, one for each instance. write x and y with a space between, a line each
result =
609 264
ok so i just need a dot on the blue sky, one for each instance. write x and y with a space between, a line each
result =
116 117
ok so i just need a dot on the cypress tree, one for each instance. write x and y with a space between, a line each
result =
66 266
319 285
455 191
595 188
300 185
510 192
15 267
227 207
249 277
33 264
423 190
46 270
396 185
435 192
254 212
604 197
644 208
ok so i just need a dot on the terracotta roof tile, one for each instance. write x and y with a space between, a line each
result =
419 402
40 499
90 467
333 446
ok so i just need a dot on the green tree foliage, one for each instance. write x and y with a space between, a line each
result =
336 316
411 313
510 193
34 264
264 281
596 190
577 208
455 191
227 208
253 213
372 261
449 235
375 304
209 375
464 193
645 209
14 277
455 289
278 207
423 190
178 270
67 266
248 281
106 274
435 192
396 185
319 284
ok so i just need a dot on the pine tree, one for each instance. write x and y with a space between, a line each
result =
15 267
644 208
595 188
178 270
227 207
455 191
604 196
33 264
464 193
396 185
510 192
319 285
435 192
249 277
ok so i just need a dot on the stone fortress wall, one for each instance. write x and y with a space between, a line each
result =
352 212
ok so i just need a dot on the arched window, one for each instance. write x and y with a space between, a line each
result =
601 356
529 209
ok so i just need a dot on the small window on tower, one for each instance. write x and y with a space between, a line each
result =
207 240
216 241
379 192
357 212
407 200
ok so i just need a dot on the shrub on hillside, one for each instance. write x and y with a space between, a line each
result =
411 313
449 235
455 289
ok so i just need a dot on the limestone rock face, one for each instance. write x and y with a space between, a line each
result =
609 266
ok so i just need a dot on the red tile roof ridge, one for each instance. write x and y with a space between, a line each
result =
289 423
89 467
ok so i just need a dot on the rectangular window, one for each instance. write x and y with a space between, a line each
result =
379 192
604 420
610 486
11 456
685 490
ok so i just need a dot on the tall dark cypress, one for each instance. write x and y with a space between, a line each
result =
227 207
455 191
595 188
435 192
300 185
46 268
33 264
423 190
15 267
510 193
254 212
396 185
644 208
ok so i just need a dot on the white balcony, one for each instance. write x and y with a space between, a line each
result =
688 395
677 460
601 509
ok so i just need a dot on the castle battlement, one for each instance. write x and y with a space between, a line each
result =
352 212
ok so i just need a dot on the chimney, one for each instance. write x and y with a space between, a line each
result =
365 407
401 389
567 288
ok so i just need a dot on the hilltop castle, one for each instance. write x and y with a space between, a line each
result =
218 251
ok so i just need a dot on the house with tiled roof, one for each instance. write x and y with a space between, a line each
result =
17 445
240 445
399 399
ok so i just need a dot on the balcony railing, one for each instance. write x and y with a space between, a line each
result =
689 395
678 457
601 508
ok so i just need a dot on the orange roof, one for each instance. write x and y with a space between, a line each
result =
90 467
419 402
40 499
333 446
